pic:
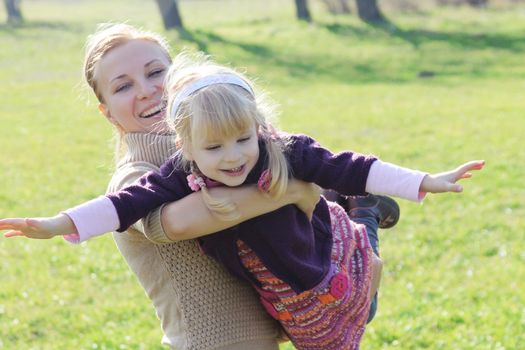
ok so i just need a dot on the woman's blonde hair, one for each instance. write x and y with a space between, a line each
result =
220 110
107 37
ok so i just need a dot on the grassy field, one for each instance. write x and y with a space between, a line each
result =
453 265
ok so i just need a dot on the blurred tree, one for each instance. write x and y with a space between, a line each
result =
14 15
337 6
302 10
169 10
474 3
368 11
478 3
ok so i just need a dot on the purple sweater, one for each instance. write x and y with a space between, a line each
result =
293 248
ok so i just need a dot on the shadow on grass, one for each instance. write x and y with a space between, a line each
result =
202 39
186 35
19 29
297 65
417 37
311 65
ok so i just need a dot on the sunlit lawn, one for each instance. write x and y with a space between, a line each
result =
454 266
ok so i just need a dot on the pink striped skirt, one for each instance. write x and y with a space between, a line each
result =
332 315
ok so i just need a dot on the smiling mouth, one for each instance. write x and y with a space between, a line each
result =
235 171
153 111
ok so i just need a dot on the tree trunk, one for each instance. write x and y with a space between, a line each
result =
345 8
477 3
368 11
169 10
336 7
302 10
14 15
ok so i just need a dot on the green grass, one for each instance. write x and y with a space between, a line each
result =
454 266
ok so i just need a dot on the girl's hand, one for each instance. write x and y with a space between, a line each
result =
38 228
446 181
306 195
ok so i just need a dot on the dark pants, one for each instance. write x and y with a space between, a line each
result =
371 229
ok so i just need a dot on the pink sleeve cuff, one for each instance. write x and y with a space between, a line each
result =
392 180
92 218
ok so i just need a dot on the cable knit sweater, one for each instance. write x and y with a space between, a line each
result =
200 306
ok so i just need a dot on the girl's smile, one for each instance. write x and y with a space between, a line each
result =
238 171
228 159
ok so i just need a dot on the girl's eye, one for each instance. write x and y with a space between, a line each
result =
212 147
244 139
122 87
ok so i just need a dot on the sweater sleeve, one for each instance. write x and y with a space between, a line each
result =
149 226
392 180
119 210
152 227
345 172
91 219
147 193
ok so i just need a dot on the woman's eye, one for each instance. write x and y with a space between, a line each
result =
156 72
122 87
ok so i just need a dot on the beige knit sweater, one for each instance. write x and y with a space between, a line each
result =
199 305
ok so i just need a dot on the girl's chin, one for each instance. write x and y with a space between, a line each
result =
233 181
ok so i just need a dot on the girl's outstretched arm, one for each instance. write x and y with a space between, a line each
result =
186 220
38 228
446 181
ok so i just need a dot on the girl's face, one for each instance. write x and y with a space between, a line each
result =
229 159
130 79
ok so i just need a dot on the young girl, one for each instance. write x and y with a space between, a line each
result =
314 275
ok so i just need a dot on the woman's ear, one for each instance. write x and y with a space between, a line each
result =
105 112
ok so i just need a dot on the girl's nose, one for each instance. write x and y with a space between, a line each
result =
232 154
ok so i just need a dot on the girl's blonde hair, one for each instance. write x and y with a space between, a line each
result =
107 37
221 110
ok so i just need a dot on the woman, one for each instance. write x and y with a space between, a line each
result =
199 305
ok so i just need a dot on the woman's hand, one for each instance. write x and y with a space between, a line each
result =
38 228
446 181
190 218
306 195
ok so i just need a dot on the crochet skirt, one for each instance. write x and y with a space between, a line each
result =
332 315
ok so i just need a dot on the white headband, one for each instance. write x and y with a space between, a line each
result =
225 78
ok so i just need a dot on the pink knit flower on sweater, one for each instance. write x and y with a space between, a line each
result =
195 182
265 180
339 285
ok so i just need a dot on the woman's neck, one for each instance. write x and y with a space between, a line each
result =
148 147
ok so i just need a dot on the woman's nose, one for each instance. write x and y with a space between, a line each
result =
146 89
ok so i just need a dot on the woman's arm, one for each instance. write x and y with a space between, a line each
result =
190 218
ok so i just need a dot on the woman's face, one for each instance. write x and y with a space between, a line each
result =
130 80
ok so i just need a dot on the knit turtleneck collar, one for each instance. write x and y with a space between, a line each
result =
148 147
